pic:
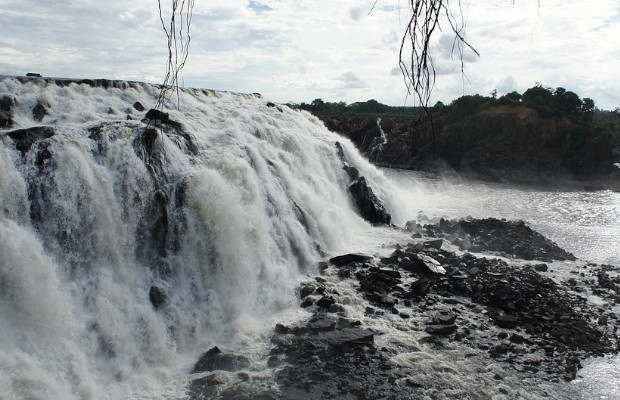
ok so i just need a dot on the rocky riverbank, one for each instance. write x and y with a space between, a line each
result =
516 324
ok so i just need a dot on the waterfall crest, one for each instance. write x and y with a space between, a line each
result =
129 244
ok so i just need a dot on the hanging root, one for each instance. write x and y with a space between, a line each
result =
178 35
415 58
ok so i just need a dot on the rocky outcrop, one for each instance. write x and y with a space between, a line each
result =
512 239
25 138
158 297
368 205
366 202
6 112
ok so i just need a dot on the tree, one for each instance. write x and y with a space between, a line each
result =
587 108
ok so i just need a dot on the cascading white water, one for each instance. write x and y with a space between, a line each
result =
224 213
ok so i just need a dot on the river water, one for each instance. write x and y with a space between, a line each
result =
586 223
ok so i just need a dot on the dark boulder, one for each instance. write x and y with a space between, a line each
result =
440 330
163 118
138 106
25 138
38 112
347 259
6 112
158 296
215 359
367 203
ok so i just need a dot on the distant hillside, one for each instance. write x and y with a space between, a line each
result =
513 139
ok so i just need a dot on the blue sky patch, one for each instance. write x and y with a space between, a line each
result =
258 7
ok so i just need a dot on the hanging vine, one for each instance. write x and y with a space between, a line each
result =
415 56
178 34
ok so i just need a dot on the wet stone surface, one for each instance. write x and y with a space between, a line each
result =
535 329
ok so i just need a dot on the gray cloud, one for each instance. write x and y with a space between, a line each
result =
349 80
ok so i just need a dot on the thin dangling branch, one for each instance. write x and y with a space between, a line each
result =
415 57
179 38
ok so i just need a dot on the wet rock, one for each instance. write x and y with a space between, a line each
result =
541 267
419 288
440 329
512 238
347 259
215 359
6 112
306 290
433 244
158 296
422 264
39 112
162 118
367 203
138 106
25 138
281 329
325 302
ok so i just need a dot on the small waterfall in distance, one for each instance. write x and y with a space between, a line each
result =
129 247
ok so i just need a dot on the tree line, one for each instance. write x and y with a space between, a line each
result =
549 103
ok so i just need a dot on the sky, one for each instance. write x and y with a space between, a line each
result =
336 50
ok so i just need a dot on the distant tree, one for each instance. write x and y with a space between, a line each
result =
468 105
566 102
539 98
317 105
587 108
512 98
370 106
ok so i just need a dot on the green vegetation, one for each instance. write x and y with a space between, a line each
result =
553 105
548 102
365 107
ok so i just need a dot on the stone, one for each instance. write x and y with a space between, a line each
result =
367 203
39 112
163 118
440 329
25 138
541 267
306 290
281 329
158 296
422 264
326 302
433 244
214 359
138 106
6 112
347 259
506 321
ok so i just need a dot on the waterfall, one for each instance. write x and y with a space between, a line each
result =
217 212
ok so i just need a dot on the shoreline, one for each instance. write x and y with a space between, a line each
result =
519 327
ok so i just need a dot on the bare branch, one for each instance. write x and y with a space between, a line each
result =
179 38
415 55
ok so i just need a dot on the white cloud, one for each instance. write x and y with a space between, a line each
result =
507 84
292 50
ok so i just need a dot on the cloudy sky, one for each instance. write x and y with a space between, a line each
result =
299 50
